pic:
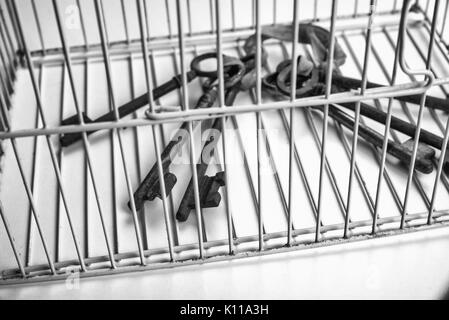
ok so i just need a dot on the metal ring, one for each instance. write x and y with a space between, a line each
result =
233 67
307 83
269 84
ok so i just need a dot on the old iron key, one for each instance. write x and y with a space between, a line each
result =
128 108
210 196
149 189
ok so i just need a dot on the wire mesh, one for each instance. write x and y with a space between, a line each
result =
295 177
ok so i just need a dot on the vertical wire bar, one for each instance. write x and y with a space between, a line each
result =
426 10
362 183
7 83
136 132
3 216
273 167
441 87
326 116
162 130
406 110
159 128
7 73
101 26
257 14
233 12
86 163
292 123
222 102
60 157
440 164
137 148
8 48
395 5
212 16
394 135
441 127
8 61
155 135
332 178
3 126
272 163
385 144
125 21
254 3
222 167
368 41
418 129
356 8
376 154
168 18
147 20
112 140
8 34
275 11
52 152
189 17
423 56
185 102
443 26
268 147
9 7
86 143
299 163
28 190
83 23
420 114
12 241
38 24
176 224
438 175
33 178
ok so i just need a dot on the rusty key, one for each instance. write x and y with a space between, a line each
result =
210 196
234 69
149 189
402 126
402 152
349 83
126 109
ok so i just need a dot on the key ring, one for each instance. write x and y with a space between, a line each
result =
305 83
233 67
269 85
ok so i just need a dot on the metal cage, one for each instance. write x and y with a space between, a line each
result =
295 178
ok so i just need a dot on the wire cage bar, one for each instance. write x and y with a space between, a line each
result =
299 172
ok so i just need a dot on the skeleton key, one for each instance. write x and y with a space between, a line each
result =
208 186
233 69
128 108
402 152
350 83
149 189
